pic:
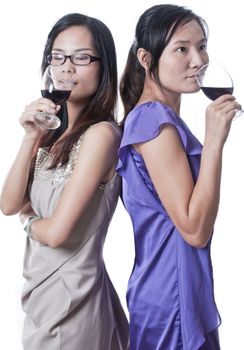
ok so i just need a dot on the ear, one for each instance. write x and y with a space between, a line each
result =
144 57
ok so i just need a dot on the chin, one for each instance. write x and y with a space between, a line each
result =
193 89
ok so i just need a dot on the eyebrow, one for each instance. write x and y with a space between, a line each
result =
184 42
77 50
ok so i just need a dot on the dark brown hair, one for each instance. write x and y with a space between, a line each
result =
154 30
102 105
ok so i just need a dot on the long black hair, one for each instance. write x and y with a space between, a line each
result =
102 105
154 30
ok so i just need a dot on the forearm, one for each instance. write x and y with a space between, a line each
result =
15 186
205 198
39 230
49 231
204 203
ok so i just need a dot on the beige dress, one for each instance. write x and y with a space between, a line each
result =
69 300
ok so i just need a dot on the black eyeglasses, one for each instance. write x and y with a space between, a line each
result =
78 59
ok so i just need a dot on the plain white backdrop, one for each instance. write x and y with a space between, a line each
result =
24 26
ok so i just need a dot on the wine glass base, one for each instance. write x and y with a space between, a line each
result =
47 121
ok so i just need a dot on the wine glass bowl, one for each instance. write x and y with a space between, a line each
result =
56 86
214 80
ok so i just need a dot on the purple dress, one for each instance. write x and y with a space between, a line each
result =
170 292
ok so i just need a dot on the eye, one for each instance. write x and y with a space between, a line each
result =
57 57
203 47
182 49
81 57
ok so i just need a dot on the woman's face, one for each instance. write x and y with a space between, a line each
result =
78 40
182 57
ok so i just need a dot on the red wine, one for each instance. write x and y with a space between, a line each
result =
57 96
214 92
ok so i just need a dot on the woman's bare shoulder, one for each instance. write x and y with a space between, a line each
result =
104 129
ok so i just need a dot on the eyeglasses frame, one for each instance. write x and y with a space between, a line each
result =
92 59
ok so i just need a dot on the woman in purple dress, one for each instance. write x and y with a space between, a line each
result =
171 184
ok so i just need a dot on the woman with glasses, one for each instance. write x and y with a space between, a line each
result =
64 184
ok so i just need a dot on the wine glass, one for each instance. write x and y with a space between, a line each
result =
215 81
56 86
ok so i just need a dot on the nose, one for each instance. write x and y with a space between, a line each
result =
198 60
68 66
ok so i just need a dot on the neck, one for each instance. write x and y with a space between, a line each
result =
74 111
154 93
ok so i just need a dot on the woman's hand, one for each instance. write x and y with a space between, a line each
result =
26 212
219 116
27 119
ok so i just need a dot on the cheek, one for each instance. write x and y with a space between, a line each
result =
171 72
88 81
93 78
168 76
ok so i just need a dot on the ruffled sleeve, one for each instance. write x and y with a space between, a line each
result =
144 124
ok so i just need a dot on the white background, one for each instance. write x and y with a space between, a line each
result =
24 26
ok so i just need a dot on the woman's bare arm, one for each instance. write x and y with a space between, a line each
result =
192 207
13 195
14 191
95 164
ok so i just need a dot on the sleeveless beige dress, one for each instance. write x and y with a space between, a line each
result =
69 300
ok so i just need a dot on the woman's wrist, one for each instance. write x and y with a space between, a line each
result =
30 140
